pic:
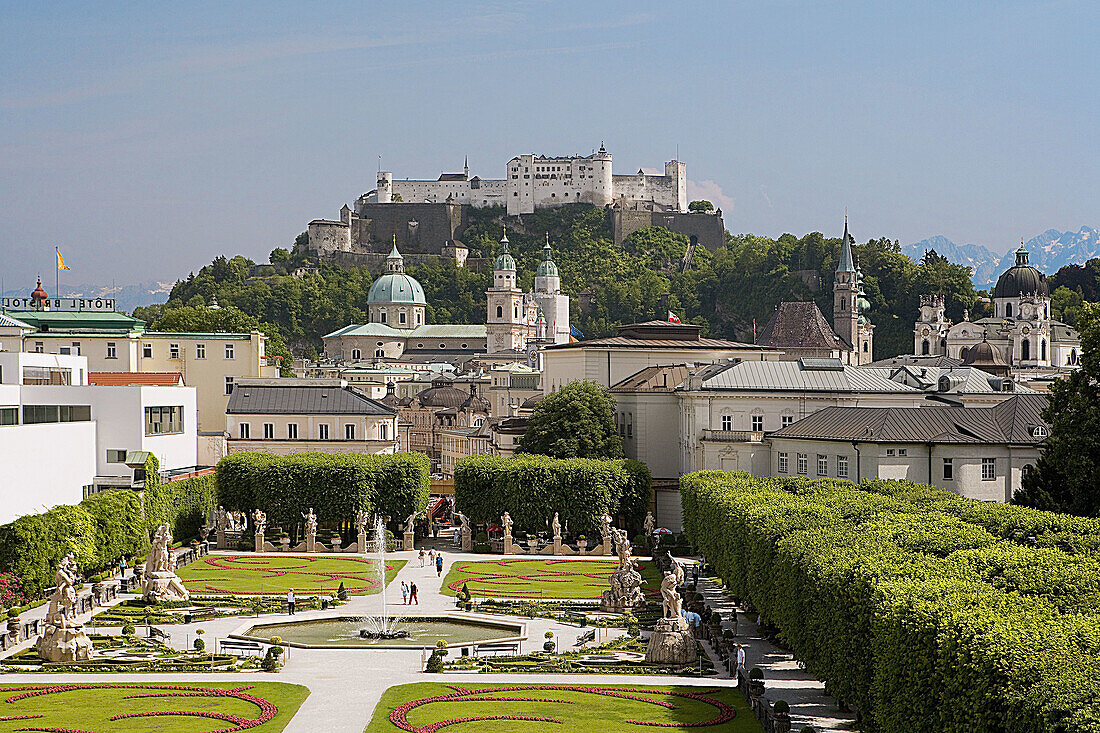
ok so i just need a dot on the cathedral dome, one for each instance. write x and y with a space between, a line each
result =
546 268
1021 278
396 288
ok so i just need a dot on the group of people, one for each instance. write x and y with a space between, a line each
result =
434 558
408 593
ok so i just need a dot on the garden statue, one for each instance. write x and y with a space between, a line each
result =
362 519
556 526
221 524
63 640
672 641
160 580
626 582
467 537
259 521
409 522
410 532
650 524
605 526
506 523
311 523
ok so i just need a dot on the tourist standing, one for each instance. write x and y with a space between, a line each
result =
740 664
122 567
412 594
421 557
431 557
290 601
439 565
404 592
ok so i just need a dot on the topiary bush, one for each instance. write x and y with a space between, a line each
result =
781 707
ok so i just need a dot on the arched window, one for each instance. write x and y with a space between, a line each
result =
865 345
1043 349
1008 310
379 353
1072 357
924 347
356 354
500 312
1025 350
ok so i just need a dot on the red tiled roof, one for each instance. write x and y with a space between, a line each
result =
124 379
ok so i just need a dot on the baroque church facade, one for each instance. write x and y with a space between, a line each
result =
1019 335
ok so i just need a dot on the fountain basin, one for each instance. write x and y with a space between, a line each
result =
343 632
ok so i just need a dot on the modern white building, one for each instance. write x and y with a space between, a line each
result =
62 438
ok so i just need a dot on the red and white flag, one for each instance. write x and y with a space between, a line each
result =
673 318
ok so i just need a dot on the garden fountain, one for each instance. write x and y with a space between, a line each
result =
381 625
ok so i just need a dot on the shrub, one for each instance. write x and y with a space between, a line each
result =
128 629
183 504
435 663
200 645
11 591
781 707
341 592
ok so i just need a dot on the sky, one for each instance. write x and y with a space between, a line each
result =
144 139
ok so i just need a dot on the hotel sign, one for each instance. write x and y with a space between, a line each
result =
97 305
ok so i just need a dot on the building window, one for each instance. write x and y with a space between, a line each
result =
75 351
9 415
379 353
292 431
727 422
889 451
173 351
111 353
500 311
786 420
1025 350
146 351
383 315
322 432
630 424
1008 310
38 347
349 431
903 451
989 469
384 431
842 466
116 456
37 414
758 423
200 351
622 425
229 385
356 354
229 351
244 428
822 465
163 420
418 318
803 464
948 469
783 466
401 317
269 431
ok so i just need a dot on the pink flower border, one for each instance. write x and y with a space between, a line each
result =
367 583
547 575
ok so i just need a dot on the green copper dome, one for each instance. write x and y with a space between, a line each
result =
504 260
396 288
546 268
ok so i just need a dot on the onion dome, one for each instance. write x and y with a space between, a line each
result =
546 268
39 295
504 260
1021 278
395 286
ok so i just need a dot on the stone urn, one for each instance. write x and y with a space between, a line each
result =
13 626
285 542
336 540
97 592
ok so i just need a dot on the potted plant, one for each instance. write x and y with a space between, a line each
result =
200 645
549 644
782 716
336 540
756 682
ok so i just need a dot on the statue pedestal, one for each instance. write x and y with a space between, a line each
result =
311 543
163 585
64 644
672 643
362 548
606 545
467 542
557 545
259 542
508 545
222 544
409 541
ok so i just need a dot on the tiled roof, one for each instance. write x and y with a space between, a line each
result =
302 399
116 379
617 342
1014 421
801 325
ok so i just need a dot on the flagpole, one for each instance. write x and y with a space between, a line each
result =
56 273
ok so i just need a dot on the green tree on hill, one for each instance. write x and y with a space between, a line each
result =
1067 475
577 421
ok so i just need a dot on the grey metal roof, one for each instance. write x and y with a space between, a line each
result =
369 329
446 330
806 375
654 379
1014 421
303 399
960 380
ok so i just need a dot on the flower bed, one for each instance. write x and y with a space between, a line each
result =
553 577
277 574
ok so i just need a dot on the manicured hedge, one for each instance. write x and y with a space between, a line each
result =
336 486
923 619
532 488
184 504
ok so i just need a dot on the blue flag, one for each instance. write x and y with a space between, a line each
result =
575 332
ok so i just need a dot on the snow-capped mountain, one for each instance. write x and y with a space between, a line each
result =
1048 251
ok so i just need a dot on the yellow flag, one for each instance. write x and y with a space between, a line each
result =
60 260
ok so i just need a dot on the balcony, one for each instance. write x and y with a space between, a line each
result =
733 436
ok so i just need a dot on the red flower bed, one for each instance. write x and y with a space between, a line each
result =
547 574
266 708
355 582
399 716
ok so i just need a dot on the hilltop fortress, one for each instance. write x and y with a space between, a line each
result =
429 217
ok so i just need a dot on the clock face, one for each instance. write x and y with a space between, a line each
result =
1026 330
924 332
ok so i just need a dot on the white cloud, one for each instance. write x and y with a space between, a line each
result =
712 192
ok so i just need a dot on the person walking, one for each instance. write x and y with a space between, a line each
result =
412 594
290 601
439 565
431 557
122 567
421 557
404 593
740 664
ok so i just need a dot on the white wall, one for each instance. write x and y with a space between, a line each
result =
42 466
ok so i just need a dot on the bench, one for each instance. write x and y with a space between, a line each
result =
236 645
586 637
512 647
576 617
200 614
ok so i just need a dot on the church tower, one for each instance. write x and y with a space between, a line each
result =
850 303
506 323
553 305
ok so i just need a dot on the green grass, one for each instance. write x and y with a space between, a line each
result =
571 710
551 577
92 707
276 574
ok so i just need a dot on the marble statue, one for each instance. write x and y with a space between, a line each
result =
311 523
63 640
221 522
556 526
362 519
409 522
626 582
467 537
650 524
160 580
621 542
605 525
259 521
506 522
671 641
670 595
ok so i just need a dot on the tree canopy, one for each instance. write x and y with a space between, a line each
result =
1067 475
577 421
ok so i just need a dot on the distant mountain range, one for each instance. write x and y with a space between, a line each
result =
1049 251
127 297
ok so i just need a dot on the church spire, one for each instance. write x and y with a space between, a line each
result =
394 261
847 262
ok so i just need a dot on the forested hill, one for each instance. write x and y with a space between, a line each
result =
725 291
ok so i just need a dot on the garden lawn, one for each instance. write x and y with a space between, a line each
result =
551 577
276 574
485 708
180 707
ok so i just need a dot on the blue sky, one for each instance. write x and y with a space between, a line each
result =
145 138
